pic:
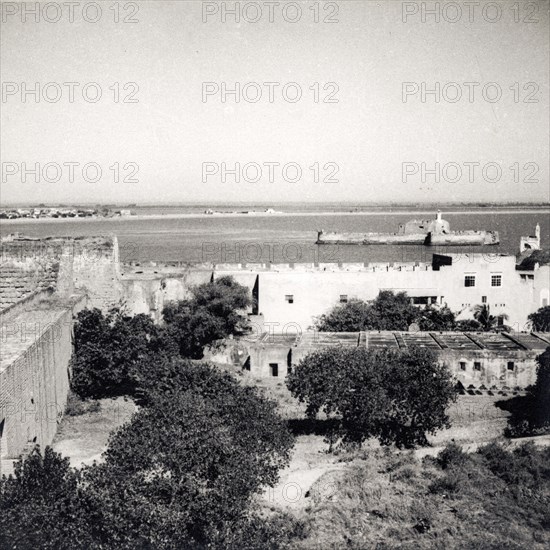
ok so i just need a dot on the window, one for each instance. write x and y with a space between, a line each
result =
462 365
477 365
289 369
484 299
274 367
496 280
343 298
289 298
469 280
510 365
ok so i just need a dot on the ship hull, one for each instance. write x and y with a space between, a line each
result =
474 238
370 238
477 238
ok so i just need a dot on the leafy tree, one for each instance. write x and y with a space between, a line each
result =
213 312
432 318
349 317
180 475
43 506
183 471
391 311
107 350
541 319
488 322
396 396
388 311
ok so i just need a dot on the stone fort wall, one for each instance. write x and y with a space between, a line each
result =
34 377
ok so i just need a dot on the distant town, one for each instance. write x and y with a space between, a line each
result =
35 213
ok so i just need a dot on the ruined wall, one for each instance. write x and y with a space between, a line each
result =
96 271
148 294
89 265
34 378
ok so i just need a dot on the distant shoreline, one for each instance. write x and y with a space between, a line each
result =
145 217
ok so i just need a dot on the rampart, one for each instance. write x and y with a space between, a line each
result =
87 265
36 347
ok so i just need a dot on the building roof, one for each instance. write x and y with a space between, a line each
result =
440 341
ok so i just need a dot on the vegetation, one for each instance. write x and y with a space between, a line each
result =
541 257
388 311
541 319
108 348
436 319
213 312
488 322
42 505
531 413
395 396
181 474
495 498
114 352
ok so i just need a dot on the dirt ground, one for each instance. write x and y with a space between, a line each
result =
83 438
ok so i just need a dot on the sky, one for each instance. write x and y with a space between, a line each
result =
362 130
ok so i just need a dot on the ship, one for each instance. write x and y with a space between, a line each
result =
434 232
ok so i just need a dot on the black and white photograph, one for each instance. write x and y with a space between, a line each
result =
275 275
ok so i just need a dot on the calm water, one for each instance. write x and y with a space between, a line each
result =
282 238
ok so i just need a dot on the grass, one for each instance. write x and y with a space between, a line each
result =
386 499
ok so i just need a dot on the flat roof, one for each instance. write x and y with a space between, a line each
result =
468 341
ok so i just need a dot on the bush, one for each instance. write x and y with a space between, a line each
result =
452 456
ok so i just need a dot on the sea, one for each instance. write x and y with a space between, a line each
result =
168 234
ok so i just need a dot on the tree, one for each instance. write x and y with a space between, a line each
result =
396 396
540 319
488 322
388 311
541 391
391 311
431 318
180 475
107 350
349 317
213 312
184 469
43 506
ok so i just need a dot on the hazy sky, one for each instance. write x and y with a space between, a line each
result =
368 132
